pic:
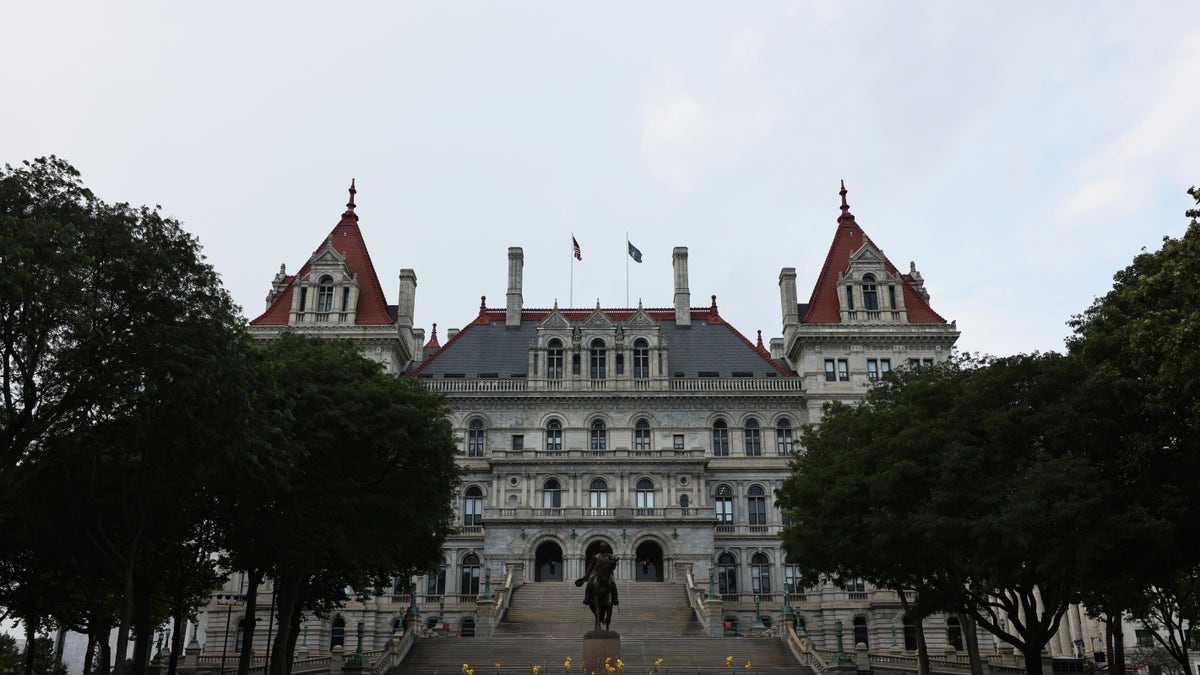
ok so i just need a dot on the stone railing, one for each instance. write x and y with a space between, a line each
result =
802 649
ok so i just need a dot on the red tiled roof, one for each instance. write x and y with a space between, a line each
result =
347 240
823 306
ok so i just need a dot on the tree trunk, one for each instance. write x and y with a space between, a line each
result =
177 640
253 578
287 591
1033 657
1116 643
126 617
60 639
30 644
971 640
922 647
295 637
89 653
105 651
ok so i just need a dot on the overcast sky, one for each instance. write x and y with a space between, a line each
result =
1019 152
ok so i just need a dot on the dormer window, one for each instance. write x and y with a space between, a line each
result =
870 296
325 294
641 359
599 360
554 360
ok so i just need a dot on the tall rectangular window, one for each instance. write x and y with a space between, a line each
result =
872 370
843 370
830 374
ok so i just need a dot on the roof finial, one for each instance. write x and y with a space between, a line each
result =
433 341
350 214
846 215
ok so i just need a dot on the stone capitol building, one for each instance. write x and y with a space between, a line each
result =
660 430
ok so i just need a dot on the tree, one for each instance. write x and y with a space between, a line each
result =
965 482
369 483
123 374
1140 343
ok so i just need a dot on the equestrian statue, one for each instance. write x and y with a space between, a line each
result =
601 592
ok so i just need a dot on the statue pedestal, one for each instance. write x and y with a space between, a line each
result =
599 646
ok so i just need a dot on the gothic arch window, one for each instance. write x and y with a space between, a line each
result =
469 579
641 359
645 493
724 505
756 503
598 494
727 574
783 437
475 437
598 435
473 506
325 294
337 633
720 438
870 294
551 494
554 359
641 435
760 574
753 438
598 360
553 436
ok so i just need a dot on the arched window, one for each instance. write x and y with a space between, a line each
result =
724 505
554 360
435 584
641 358
473 506
760 574
337 634
756 504
910 634
870 296
753 438
783 437
599 359
599 435
641 435
860 632
683 502
553 436
475 439
325 294
720 439
954 636
551 494
598 495
727 574
645 494
469 581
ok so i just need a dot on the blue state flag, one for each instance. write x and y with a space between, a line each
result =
634 252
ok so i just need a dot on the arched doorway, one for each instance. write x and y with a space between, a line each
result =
548 562
648 562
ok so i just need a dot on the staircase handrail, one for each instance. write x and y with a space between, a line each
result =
696 599
393 653
504 595
802 649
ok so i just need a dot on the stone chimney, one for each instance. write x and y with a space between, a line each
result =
683 297
408 298
516 264
787 295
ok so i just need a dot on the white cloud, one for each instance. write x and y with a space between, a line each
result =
675 130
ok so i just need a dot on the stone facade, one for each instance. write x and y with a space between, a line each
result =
663 432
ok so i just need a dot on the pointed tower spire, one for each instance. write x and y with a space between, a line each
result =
846 215
433 340
350 214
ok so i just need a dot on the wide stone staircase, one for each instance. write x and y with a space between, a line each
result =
546 621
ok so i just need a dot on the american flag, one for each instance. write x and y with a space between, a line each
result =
575 247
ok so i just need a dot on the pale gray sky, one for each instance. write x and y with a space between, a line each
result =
1019 152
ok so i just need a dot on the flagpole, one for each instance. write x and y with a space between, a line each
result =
571 297
626 268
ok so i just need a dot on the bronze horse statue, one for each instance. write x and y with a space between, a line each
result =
601 592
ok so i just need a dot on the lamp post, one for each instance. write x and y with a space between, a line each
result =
841 652
229 600
712 583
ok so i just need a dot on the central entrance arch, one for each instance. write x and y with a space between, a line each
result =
548 562
648 562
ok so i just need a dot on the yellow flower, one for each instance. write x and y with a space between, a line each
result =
567 664
729 661
747 666
620 665
465 668
657 662
536 670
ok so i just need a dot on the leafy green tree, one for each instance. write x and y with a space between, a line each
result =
965 482
369 483
1139 343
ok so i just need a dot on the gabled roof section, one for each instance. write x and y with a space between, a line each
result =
823 306
709 345
346 238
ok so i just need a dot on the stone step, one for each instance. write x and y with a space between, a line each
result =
555 609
